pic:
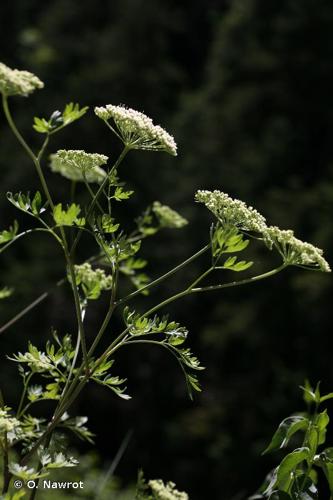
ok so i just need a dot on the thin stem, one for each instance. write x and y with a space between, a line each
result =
77 348
28 231
181 294
164 276
6 473
92 194
201 277
241 282
70 265
114 464
31 306
24 392
98 193
38 300
39 469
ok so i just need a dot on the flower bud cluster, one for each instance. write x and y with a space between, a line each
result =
136 130
295 251
231 211
167 216
77 165
166 492
93 281
16 82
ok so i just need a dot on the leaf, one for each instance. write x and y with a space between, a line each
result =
107 224
303 488
286 429
6 292
41 125
232 264
325 461
67 217
289 463
9 234
120 194
326 397
36 203
23 202
310 395
72 112
58 120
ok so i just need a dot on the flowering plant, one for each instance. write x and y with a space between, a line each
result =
60 371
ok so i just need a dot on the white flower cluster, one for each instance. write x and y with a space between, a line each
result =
7 422
77 165
136 130
167 216
166 492
93 281
295 251
16 82
232 212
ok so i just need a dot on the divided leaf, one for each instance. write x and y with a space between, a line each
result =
68 217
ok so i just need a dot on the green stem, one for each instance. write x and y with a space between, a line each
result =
92 194
184 293
28 231
164 276
6 473
241 282
38 300
98 193
24 392
201 277
70 265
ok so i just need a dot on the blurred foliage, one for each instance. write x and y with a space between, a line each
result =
246 88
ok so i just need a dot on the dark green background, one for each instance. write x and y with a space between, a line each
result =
246 88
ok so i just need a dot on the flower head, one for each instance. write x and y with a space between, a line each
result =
136 130
16 82
232 212
168 217
166 491
92 281
295 251
77 165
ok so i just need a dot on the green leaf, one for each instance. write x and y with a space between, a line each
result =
322 422
326 397
6 292
232 264
120 194
72 112
58 120
78 427
106 222
36 203
288 464
23 202
9 234
310 395
41 125
68 217
325 461
303 488
286 429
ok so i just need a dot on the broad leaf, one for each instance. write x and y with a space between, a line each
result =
303 488
288 464
286 429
